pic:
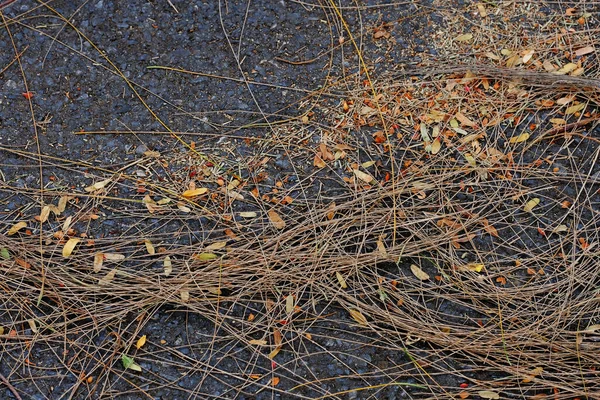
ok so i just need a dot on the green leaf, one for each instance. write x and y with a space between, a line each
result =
204 256
383 296
128 363
4 253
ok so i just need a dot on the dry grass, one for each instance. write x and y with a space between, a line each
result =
448 211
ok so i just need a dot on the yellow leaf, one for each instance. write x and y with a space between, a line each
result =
141 342
558 121
69 246
113 257
575 108
289 304
32 325
168 267
368 164
358 316
44 214
475 267
258 342
419 273
465 37
194 192
519 138
363 176
107 278
248 214
276 219
62 203
471 160
204 256
487 394
566 69
436 145
149 247
274 352
16 227
185 295
215 246
98 261
341 280
531 204
97 185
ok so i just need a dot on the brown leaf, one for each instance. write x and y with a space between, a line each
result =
276 219
419 273
318 161
358 316
16 227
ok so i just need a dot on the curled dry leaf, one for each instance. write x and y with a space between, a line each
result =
105 280
276 219
289 304
16 227
168 267
358 316
519 138
69 246
140 342
341 280
215 246
44 214
531 204
149 247
97 186
194 192
418 272
98 261
258 342
363 176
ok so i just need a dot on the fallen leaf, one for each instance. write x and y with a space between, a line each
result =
565 100
276 220
44 214
584 50
32 325
4 253
489 228
482 10
167 266
113 256
194 192
592 328
204 256
464 394
358 316
258 342
149 247
22 263
476 267
69 246
185 295
341 280
363 176
275 381
318 161
535 372
141 342
566 69
465 37
558 121
575 108
129 363
529 206
215 246
464 120
248 214
519 138
436 145
527 56
419 273
289 304
97 185
98 261
67 223
16 227
488 394
105 280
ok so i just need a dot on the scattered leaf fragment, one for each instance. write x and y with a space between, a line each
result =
105 280
215 246
465 37
363 176
289 304
258 342
535 372
419 273
477 267
140 342
488 394
584 50
519 138
358 316
129 363
194 192
32 325
98 261
97 185
16 227
204 256
464 394
149 247
276 220
489 228
341 280
248 214
275 381
185 295
22 263
529 206
69 246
